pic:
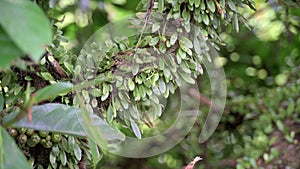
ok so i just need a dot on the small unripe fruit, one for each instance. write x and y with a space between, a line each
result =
29 132
48 138
13 132
43 133
43 141
22 130
22 138
48 144
56 138
31 143
36 138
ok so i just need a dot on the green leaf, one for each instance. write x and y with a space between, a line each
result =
232 5
236 23
291 108
130 84
205 19
135 129
211 6
47 76
187 78
162 86
96 156
77 152
135 70
63 157
27 25
63 119
53 91
154 41
161 7
184 40
52 159
8 50
1 102
110 113
10 153
197 3
173 38
155 27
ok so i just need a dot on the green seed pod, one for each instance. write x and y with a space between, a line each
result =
22 130
56 138
36 138
29 132
43 133
22 138
31 143
13 132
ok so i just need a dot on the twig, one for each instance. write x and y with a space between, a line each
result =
202 99
149 10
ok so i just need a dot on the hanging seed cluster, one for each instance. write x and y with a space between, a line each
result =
174 38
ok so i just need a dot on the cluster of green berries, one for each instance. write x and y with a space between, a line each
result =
29 137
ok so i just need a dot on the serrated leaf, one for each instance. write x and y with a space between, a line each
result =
135 129
52 91
27 25
63 119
